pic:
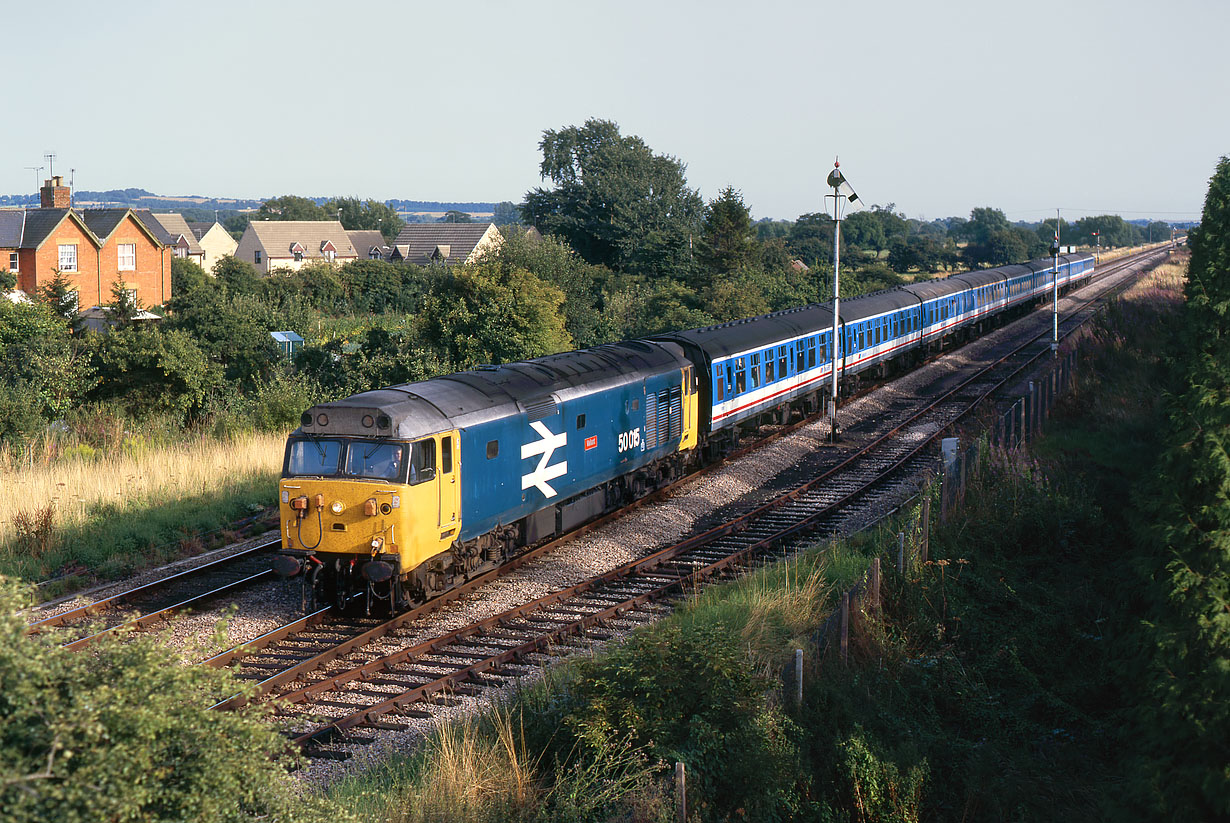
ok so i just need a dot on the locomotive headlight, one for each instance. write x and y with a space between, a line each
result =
337 507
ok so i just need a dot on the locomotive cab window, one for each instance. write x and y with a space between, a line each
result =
580 421
311 457
493 449
422 461
378 460
446 455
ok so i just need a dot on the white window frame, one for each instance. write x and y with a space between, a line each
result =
67 256
131 264
13 263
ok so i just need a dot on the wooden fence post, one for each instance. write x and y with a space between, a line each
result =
901 553
798 678
845 627
875 583
926 527
681 793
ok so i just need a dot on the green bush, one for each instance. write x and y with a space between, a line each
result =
124 732
684 692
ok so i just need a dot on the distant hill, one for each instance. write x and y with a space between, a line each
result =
142 199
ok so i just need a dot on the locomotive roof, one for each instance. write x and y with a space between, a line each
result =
488 392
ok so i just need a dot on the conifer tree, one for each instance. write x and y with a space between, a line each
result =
1187 720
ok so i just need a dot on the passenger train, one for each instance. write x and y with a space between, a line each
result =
390 497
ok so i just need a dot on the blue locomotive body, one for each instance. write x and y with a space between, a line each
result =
415 487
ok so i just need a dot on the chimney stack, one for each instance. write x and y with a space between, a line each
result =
55 195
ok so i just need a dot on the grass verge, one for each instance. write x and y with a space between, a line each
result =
104 515
992 686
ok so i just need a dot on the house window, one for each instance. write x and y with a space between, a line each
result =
298 256
12 261
68 257
128 256
329 253
256 257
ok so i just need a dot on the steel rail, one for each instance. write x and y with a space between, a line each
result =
117 601
290 674
543 640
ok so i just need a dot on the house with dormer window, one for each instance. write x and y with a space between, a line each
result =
445 244
271 245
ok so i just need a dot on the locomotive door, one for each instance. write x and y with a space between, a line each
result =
450 489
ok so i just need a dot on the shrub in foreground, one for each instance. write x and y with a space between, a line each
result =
123 732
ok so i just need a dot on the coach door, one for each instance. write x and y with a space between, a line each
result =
450 489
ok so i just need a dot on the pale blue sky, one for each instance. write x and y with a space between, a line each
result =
941 106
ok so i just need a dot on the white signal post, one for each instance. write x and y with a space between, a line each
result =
1055 284
841 190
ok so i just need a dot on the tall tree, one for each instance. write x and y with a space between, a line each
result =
1186 719
364 214
811 239
615 201
727 241
292 207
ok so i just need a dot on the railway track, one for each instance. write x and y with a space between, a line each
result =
154 602
408 682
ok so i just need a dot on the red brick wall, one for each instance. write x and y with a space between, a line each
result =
152 278
38 265
98 270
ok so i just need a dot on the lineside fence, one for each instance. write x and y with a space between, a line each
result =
1009 430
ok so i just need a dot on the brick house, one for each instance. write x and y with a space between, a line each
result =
93 249
173 231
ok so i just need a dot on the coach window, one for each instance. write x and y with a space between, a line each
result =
770 368
756 371
801 364
782 361
811 352
719 385
493 449
740 375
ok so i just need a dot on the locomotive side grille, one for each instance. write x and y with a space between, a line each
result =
676 414
540 407
651 421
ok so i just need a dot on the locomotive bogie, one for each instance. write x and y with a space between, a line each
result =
403 492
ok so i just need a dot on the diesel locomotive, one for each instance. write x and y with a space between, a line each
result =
390 497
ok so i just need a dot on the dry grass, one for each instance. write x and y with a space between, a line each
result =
472 775
78 488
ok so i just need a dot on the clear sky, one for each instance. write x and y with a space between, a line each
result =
1090 105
